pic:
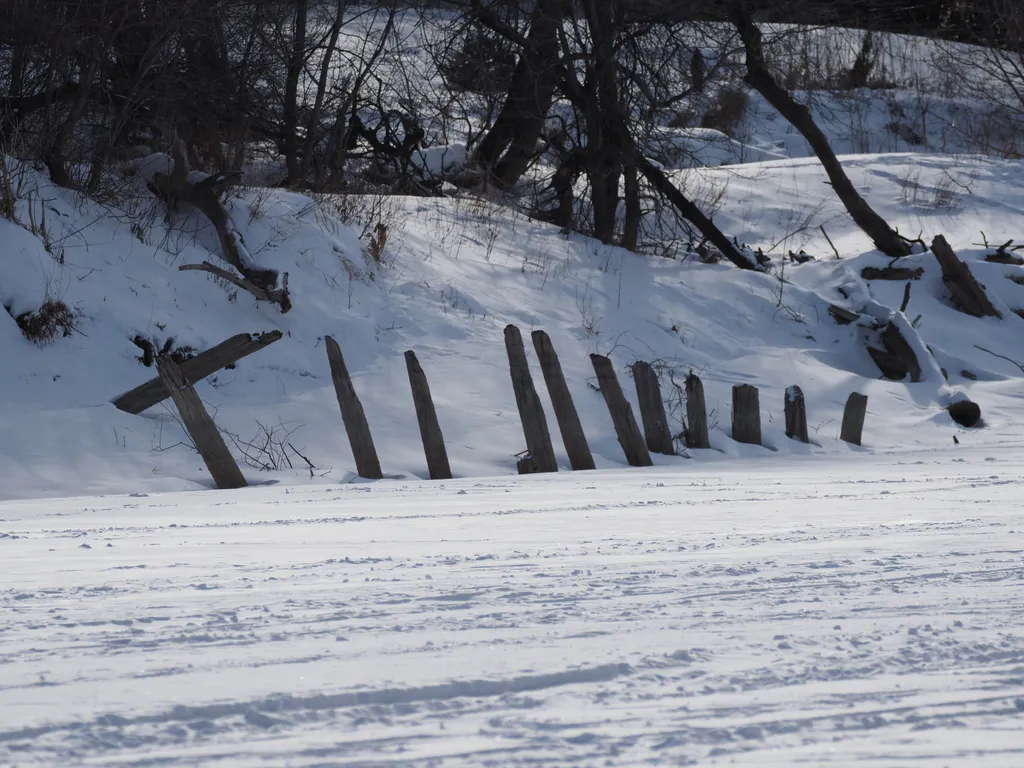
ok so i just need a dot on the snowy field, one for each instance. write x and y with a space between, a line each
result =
862 611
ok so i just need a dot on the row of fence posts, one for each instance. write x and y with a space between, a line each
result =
540 454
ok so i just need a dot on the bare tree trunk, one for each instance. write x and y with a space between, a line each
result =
313 128
760 79
296 63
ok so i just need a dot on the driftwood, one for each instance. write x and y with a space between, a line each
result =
426 415
561 400
652 409
531 412
696 414
896 359
205 195
746 414
626 429
968 294
796 414
892 273
200 427
853 418
199 367
352 414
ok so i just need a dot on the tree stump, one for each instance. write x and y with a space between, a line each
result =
626 429
796 414
531 412
696 414
853 418
200 427
746 414
652 409
968 294
897 359
426 415
561 400
965 413
352 415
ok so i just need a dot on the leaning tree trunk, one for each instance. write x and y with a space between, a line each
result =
759 78
506 150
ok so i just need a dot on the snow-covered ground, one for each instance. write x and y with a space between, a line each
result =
862 611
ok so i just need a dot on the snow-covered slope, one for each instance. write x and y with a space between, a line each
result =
453 273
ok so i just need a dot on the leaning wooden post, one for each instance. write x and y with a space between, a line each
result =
200 426
561 400
356 426
696 414
626 429
531 412
746 414
430 429
796 414
853 418
652 409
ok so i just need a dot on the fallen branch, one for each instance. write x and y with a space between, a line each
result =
275 295
1001 357
968 294
892 273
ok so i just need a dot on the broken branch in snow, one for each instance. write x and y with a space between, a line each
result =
180 186
892 273
968 294
277 295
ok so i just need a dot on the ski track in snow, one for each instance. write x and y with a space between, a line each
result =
864 612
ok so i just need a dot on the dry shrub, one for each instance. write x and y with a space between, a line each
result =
41 327
727 112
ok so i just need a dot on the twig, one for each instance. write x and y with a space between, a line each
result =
1002 357
835 250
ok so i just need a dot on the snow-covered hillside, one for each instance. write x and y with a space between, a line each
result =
453 273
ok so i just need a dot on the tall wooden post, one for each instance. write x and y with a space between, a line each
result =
430 429
352 414
796 414
696 414
853 418
531 412
746 414
561 400
652 409
200 426
626 429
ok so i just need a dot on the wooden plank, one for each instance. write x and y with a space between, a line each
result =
352 414
796 414
200 427
626 429
561 399
531 412
853 418
652 409
696 414
430 429
746 414
198 368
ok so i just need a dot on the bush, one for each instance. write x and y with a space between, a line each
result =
482 64
727 112
41 327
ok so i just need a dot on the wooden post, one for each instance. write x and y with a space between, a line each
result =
531 412
200 426
352 415
796 414
626 430
430 429
199 367
746 414
696 414
853 418
652 409
561 399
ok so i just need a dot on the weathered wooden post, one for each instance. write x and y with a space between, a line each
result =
796 414
853 418
746 414
531 412
356 426
199 367
696 414
626 429
200 426
561 400
652 409
426 415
